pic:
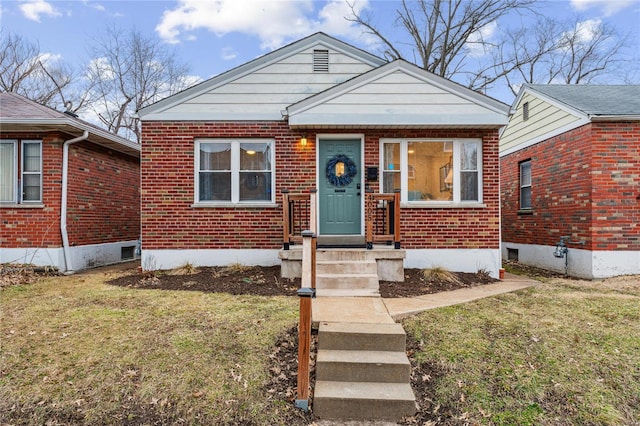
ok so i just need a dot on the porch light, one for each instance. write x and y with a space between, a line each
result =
303 141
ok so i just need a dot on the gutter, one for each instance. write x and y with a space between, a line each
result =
63 202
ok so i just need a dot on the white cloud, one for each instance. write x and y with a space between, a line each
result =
101 67
608 7
34 9
586 30
229 53
273 22
476 42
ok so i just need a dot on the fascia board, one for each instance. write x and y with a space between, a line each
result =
62 122
409 120
208 116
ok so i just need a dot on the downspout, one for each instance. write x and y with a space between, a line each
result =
63 202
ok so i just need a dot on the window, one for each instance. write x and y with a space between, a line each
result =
234 171
525 111
432 171
525 185
20 171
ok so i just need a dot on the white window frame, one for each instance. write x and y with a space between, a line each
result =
235 172
525 185
404 172
17 177
23 172
14 174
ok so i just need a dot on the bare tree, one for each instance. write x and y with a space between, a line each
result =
562 52
27 71
446 38
440 32
130 72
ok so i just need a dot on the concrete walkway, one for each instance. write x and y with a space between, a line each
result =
378 310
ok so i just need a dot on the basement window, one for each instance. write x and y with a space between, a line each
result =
512 254
320 61
126 253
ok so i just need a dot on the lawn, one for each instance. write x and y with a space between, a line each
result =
566 352
75 350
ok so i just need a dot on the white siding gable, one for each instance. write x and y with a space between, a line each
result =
399 95
547 118
263 88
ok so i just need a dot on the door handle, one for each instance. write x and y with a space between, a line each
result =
358 194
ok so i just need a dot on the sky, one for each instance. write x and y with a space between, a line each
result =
215 36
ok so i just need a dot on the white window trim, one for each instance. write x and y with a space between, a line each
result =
22 171
18 168
404 174
235 174
530 185
14 177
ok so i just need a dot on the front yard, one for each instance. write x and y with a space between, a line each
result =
75 350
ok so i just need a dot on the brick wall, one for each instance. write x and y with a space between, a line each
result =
103 195
616 186
585 184
170 222
37 227
103 199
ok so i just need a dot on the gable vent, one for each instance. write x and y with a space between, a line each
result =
320 61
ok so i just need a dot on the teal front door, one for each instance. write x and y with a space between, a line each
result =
339 187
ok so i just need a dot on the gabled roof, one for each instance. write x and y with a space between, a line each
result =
19 114
398 94
594 101
317 39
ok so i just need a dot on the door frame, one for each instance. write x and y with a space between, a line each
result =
354 136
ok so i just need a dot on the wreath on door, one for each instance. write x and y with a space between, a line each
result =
346 175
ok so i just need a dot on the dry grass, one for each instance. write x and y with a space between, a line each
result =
77 351
438 273
565 352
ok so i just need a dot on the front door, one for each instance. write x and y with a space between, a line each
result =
339 187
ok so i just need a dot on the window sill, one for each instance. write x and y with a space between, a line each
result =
443 205
234 205
525 212
20 206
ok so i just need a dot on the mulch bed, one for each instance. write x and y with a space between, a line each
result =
266 281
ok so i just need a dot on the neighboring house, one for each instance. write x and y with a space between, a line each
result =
69 191
570 167
321 114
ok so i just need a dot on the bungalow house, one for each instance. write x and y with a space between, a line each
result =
69 191
226 162
570 175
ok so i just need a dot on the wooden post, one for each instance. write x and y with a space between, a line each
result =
306 293
313 220
368 217
285 219
396 218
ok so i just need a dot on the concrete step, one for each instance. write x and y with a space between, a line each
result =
363 366
362 337
345 281
346 267
341 254
363 400
361 292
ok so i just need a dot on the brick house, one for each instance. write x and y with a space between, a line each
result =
321 115
69 191
570 167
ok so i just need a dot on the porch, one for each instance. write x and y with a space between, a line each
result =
344 254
